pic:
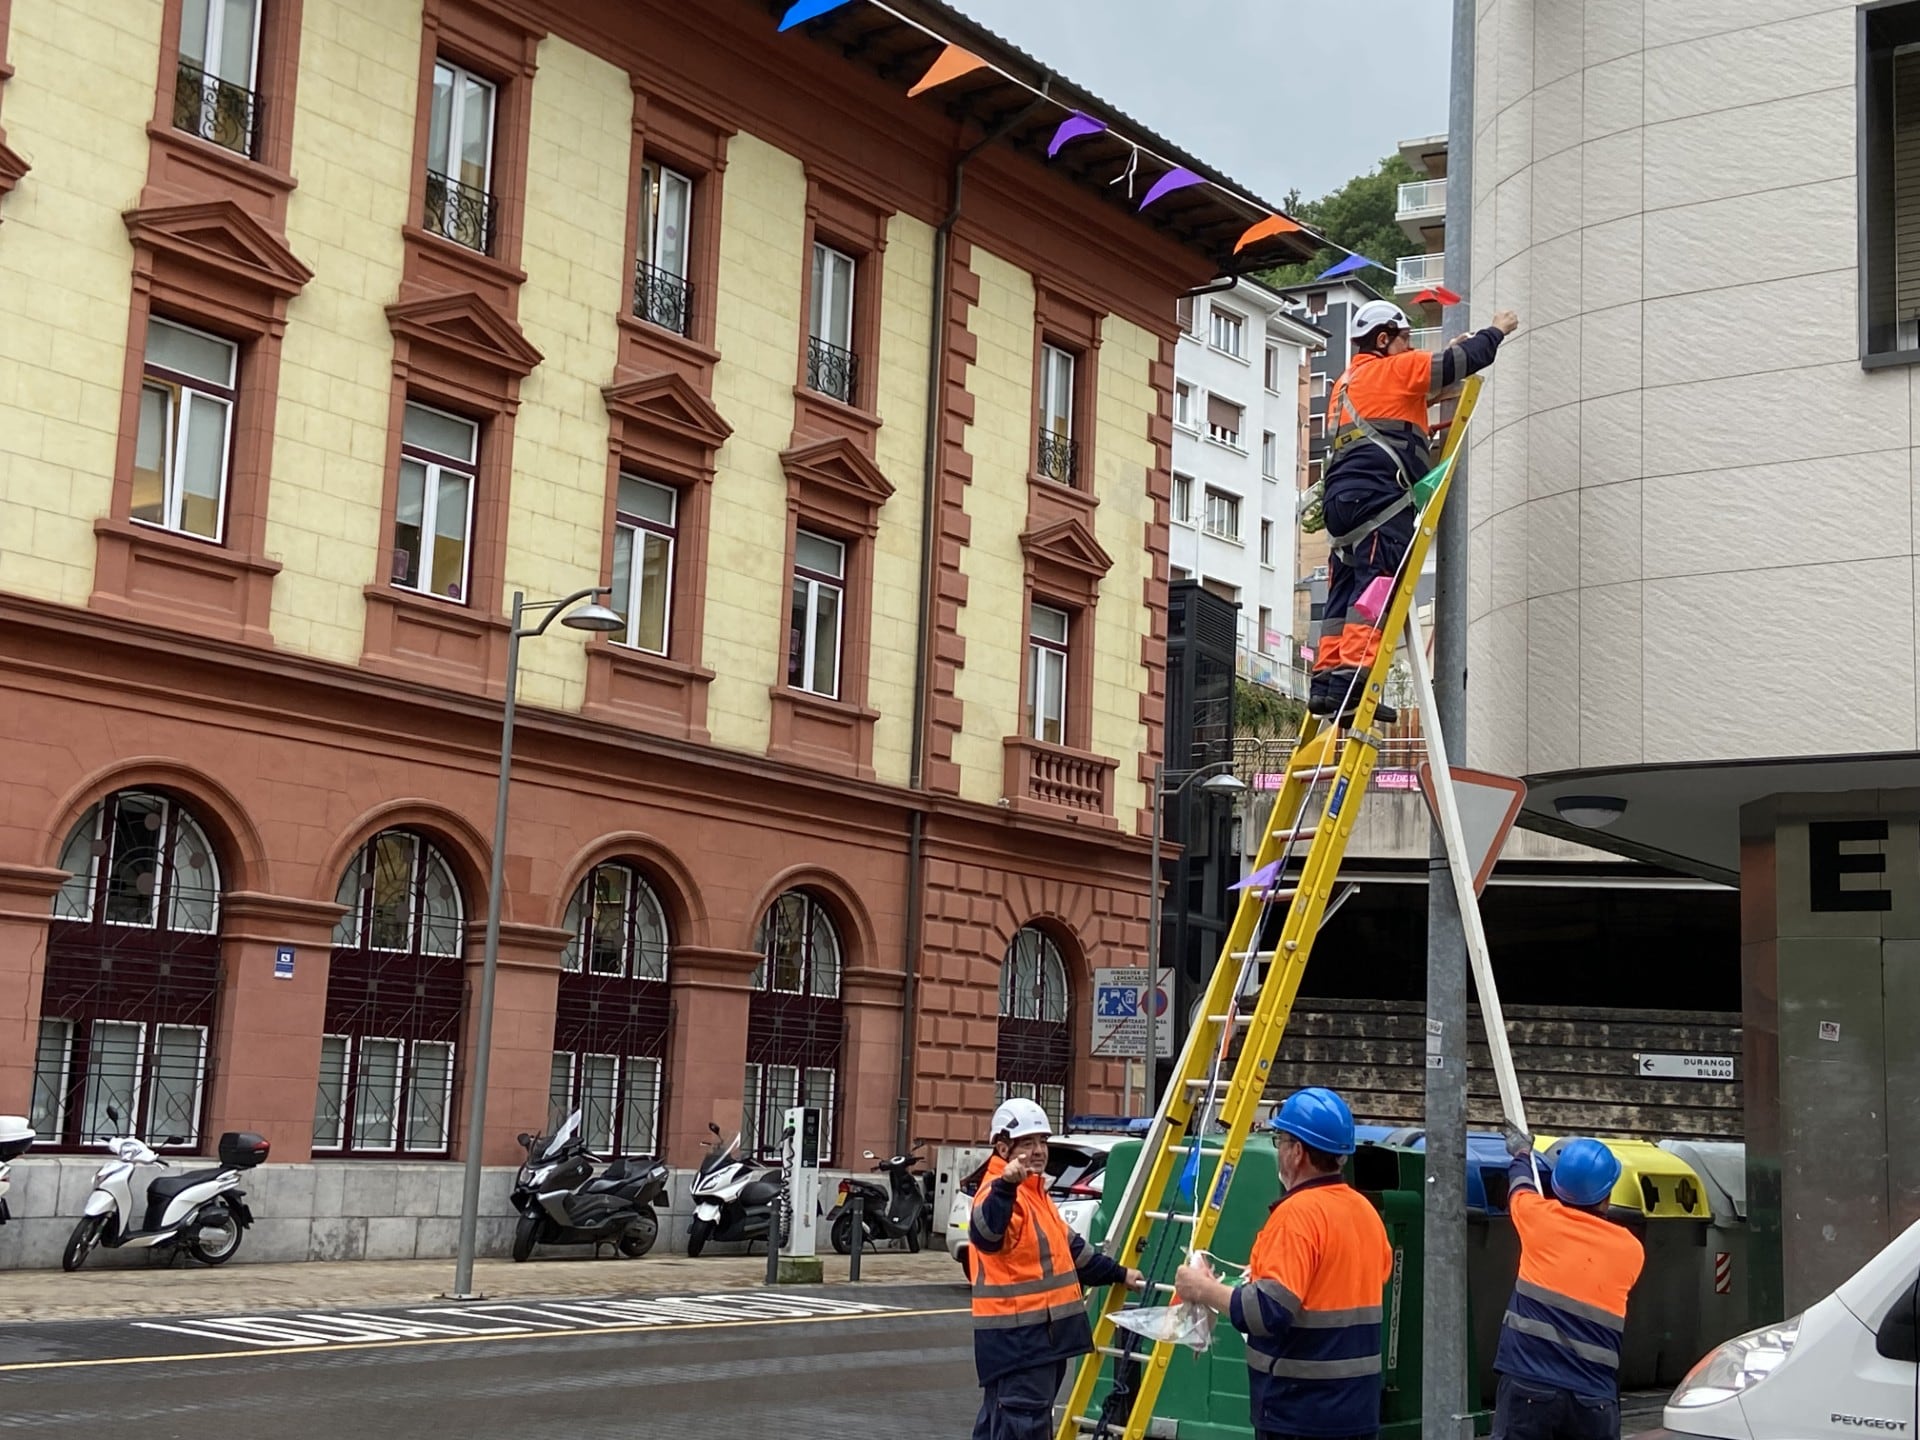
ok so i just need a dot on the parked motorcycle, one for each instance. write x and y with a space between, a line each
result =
204 1210
897 1213
733 1198
562 1202
16 1136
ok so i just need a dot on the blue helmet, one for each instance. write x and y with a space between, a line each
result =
1584 1172
1319 1118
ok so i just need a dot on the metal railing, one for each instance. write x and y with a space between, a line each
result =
1059 458
831 370
459 212
1416 272
1223 435
216 110
1428 339
1422 197
662 298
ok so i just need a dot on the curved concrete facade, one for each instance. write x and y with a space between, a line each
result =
1692 509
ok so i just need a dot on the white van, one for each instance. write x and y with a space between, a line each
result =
1848 1366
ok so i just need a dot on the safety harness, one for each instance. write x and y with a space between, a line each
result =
1313 518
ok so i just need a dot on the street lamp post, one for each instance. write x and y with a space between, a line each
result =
1222 782
595 617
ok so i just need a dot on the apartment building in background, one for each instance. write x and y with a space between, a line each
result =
1241 386
334 324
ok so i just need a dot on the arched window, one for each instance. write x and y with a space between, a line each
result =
394 999
133 973
794 1021
1036 1046
610 1024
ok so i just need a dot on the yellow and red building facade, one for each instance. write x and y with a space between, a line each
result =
328 325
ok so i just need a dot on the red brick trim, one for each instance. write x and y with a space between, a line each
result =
854 222
1073 324
953 530
1153 645
688 139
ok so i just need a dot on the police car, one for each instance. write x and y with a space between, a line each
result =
1076 1176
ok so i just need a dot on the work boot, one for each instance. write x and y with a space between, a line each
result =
1339 690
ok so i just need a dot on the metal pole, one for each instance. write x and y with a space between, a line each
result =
1147 1086
857 1207
483 1033
1444 1379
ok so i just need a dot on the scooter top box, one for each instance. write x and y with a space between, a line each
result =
242 1149
16 1136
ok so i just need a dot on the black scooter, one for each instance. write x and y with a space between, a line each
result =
897 1213
562 1202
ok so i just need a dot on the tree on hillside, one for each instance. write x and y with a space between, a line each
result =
1359 215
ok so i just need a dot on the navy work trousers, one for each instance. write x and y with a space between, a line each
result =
1523 1410
1019 1405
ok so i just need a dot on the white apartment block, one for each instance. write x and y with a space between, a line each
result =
1239 451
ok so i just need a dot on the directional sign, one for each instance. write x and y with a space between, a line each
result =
1488 804
1684 1067
1119 1014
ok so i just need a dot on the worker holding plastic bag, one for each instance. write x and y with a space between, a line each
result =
1310 1306
1029 1314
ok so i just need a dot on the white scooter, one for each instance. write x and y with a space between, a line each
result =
204 1210
734 1198
15 1138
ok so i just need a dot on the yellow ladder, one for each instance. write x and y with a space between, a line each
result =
1154 1203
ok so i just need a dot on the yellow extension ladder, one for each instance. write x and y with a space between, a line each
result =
1155 1208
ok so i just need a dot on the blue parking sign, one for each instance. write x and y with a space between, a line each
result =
1117 1002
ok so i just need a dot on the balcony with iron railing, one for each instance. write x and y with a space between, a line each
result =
662 298
1417 272
218 111
832 371
1422 207
460 213
1059 458
1427 339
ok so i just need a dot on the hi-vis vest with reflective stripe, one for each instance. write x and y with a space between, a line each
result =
1031 1279
1563 1325
1389 392
1312 1309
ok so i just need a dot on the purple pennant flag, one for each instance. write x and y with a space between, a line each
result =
1260 879
1348 266
1177 178
1073 128
802 11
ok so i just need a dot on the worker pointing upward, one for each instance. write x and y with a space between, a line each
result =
1377 424
1559 1356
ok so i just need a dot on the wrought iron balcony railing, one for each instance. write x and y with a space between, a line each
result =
662 298
1059 458
831 370
217 110
461 213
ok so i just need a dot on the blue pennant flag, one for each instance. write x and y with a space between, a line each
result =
1348 266
804 10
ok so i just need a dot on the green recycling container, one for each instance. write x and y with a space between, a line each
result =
1204 1396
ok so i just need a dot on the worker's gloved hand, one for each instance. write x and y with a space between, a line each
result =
1519 1143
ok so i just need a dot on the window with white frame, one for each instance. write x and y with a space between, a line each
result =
1317 424
1182 506
1058 458
1263 642
645 516
832 367
794 1021
1224 419
1270 455
459 188
219 57
1266 542
1318 384
185 440
1222 514
1047 652
1183 404
661 294
1227 333
819 602
433 512
1034 1058
1273 368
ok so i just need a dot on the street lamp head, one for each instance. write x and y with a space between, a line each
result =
1225 783
596 617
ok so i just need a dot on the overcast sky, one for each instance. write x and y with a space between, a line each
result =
1267 91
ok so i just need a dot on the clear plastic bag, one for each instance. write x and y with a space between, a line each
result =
1182 1324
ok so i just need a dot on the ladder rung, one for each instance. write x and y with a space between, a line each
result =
1174 1216
1286 894
1162 1287
1116 1352
1199 1083
1287 837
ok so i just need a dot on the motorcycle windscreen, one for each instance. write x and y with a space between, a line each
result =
562 1137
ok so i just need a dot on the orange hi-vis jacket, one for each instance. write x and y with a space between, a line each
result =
1310 1308
1027 1267
1563 1325
1390 393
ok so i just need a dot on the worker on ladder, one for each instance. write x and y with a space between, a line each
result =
1310 1306
1559 1355
1029 1316
1378 438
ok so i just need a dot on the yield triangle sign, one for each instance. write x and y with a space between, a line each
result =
1488 805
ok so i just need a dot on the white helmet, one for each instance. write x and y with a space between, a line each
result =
1016 1119
1372 315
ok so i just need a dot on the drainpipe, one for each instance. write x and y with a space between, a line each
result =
923 633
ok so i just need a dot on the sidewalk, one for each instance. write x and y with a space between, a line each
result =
187 1289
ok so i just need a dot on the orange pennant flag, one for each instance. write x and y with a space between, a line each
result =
1272 225
952 64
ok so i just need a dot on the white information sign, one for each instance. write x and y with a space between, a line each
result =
1119 1014
1684 1067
